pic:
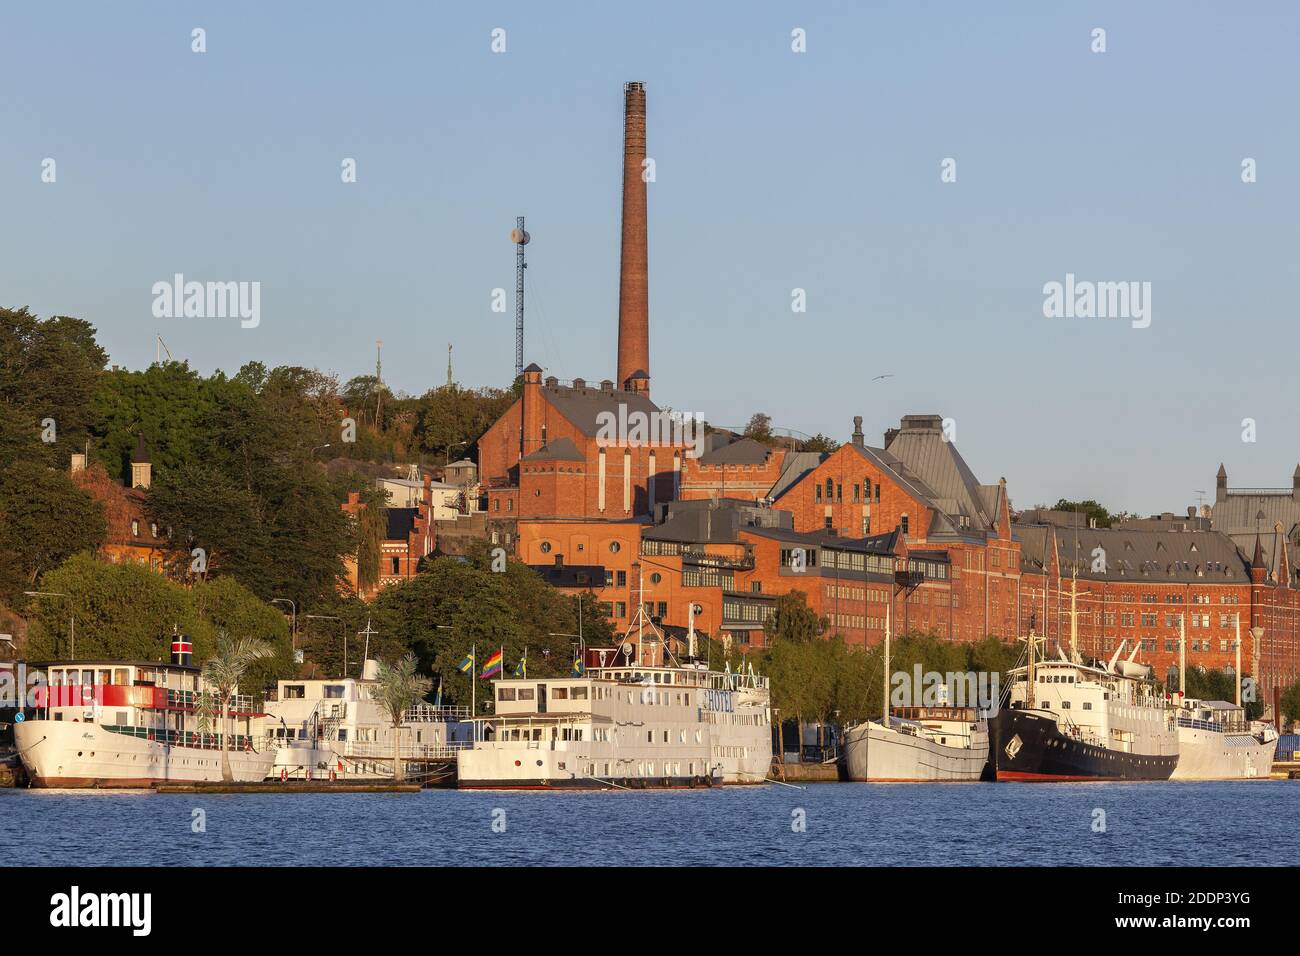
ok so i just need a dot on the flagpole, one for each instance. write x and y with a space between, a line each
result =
473 688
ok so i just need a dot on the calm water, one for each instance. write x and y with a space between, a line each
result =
1252 822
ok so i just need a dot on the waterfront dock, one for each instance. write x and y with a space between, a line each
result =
293 786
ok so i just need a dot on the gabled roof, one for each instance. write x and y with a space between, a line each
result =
795 466
582 406
921 446
562 449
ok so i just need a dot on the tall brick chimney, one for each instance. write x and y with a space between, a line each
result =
633 283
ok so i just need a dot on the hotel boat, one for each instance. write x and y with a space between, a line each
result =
637 718
1215 741
915 744
114 724
1067 720
335 729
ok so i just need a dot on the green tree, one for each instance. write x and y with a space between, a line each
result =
122 612
1290 703
48 373
399 688
793 620
44 519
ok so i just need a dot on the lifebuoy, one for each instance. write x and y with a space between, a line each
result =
284 776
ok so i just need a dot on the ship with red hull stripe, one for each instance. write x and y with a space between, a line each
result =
126 724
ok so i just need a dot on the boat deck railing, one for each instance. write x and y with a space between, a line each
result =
408 751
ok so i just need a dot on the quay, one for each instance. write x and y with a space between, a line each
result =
292 786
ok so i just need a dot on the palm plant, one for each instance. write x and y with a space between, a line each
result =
398 688
223 672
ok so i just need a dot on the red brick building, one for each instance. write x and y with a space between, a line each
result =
1137 585
553 453
410 535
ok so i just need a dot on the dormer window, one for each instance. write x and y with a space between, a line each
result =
135 528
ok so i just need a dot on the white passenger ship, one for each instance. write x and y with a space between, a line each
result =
335 730
112 724
637 718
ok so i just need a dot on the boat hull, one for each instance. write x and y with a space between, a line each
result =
873 753
75 755
1210 755
1028 746
501 766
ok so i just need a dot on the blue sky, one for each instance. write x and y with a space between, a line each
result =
775 171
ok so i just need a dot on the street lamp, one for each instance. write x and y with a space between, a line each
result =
71 615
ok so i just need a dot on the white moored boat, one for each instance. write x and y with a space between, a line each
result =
117 724
635 717
1215 740
334 729
920 744
915 744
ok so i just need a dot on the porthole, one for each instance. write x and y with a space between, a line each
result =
615 547
546 547
656 578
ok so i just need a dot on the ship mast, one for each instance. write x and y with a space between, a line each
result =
1182 655
888 623
1236 623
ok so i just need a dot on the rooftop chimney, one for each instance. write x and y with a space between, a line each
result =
633 284
858 438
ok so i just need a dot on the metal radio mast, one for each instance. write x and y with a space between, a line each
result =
520 238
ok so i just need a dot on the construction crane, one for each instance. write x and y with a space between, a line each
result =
519 236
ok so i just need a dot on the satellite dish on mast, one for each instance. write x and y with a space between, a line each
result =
519 237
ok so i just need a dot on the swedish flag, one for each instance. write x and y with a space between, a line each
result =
578 669
467 664
521 669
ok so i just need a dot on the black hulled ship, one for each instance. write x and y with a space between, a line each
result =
1069 720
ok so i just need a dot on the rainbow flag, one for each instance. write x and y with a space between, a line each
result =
492 666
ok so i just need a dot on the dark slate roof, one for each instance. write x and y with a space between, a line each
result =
581 406
1236 514
920 446
1186 557
873 544
562 449
401 522
747 451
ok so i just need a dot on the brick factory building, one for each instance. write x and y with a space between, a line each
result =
905 526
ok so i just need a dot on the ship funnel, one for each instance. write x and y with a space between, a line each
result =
182 650
370 669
